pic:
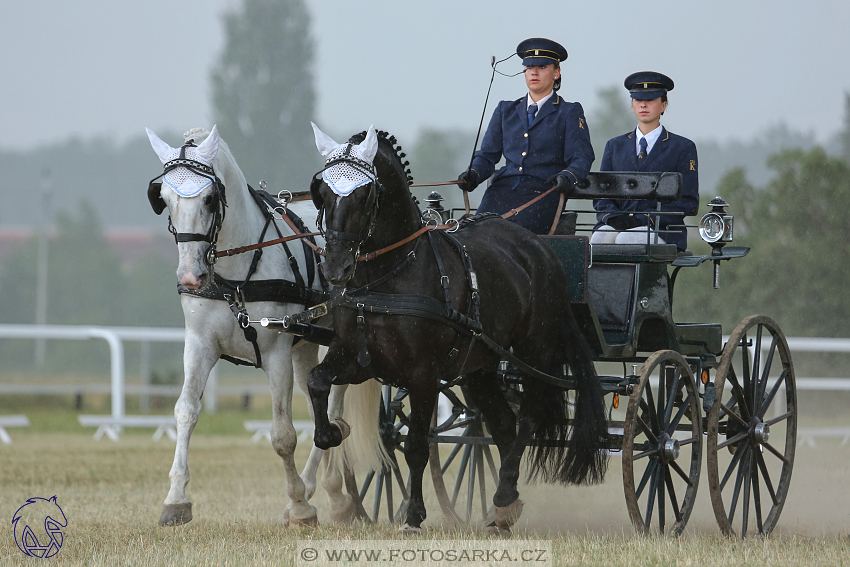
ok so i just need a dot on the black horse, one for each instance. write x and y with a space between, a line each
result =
421 314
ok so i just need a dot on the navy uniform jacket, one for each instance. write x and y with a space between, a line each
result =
670 153
558 142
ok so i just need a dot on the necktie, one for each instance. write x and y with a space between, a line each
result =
532 110
642 153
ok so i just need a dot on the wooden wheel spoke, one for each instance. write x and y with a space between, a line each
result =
745 354
494 472
684 442
399 480
732 440
482 488
779 418
376 502
675 423
652 438
773 450
769 400
754 373
464 460
662 517
736 492
650 501
455 450
732 464
765 374
646 474
650 402
766 476
470 487
747 482
754 478
738 391
681 473
735 417
366 483
674 502
646 454
668 409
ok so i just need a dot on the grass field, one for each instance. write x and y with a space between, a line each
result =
112 494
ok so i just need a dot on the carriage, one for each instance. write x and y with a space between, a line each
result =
686 391
681 384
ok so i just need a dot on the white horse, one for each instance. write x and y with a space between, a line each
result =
210 206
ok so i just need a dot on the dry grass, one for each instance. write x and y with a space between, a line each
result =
112 494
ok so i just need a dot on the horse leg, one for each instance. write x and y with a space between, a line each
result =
484 391
336 364
305 356
279 369
341 506
198 360
422 402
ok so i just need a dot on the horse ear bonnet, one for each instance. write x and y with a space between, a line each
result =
155 197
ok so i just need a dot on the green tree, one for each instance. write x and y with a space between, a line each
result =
440 155
800 239
612 117
262 92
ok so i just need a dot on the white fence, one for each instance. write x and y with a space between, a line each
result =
116 336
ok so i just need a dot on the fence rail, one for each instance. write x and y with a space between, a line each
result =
118 389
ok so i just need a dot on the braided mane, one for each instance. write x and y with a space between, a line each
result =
385 138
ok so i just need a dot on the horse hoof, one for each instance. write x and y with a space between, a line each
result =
344 428
176 514
290 522
494 531
409 531
506 516
343 514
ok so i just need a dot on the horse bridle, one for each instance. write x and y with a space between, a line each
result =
372 201
218 194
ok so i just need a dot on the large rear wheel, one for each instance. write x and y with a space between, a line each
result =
752 429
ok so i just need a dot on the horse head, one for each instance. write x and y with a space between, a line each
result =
361 180
195 198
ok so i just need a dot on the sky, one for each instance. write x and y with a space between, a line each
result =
101 68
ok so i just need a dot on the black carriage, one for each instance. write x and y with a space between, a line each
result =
679 384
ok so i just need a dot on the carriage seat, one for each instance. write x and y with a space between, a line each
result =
630 253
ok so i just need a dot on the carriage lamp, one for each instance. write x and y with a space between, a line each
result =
435 209
715 227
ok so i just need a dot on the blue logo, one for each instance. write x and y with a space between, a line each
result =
38 527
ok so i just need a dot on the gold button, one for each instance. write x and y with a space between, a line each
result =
526 135
520 169
523 153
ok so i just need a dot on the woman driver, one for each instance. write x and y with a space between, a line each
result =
650 147
544 139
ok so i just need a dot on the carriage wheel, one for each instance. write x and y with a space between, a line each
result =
752 429
464 470
385 492
662 445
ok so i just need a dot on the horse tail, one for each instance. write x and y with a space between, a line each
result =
586 462
364 449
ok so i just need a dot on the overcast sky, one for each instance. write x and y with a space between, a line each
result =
90 68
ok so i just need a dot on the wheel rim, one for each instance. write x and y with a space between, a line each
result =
385 493
752 429
662 445
464 472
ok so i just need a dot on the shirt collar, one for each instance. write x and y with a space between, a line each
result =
651 138
539 103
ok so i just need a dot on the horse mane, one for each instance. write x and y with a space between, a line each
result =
390 145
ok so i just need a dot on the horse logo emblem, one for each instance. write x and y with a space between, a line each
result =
38 527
